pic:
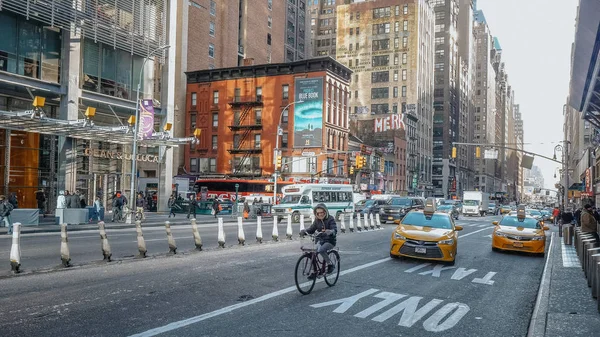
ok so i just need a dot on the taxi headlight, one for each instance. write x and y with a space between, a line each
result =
500 234
289 209
538 238
446 242
399 237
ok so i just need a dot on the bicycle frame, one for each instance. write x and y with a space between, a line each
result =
317 263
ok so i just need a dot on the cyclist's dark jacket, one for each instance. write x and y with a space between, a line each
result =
328 223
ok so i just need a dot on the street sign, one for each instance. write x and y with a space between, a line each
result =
308 154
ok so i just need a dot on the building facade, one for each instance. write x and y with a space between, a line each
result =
78 55
389 46
239 111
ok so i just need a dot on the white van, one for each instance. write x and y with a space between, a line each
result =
302 198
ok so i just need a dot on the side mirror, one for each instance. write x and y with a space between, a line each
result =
546 228
458 228
495 223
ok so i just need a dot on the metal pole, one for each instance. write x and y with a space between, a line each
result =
129 219
565 166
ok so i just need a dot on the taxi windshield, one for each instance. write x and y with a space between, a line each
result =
435 221
516 222
399 202
291 199
444 207
471 203
534 212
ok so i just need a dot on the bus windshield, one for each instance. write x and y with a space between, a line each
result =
291 199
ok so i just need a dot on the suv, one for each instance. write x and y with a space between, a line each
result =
369 206
397 207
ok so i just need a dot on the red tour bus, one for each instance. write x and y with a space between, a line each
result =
224 189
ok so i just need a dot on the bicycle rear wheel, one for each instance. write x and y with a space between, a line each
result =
331 279
304 268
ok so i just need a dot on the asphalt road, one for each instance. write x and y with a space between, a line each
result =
250 291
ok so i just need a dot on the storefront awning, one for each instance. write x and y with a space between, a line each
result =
29 122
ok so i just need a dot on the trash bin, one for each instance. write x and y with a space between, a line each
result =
568 234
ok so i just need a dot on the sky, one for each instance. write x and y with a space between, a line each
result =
536 38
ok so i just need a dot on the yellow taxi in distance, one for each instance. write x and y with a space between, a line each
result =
505 209
426 234
519 232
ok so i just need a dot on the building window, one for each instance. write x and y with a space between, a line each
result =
193 164
357 30
259 93
404 74
356 46
380 76
397 26
213 8
405 42
215 97
258 116
211 28
270 4
396 42
395 92
211 50
404 58
257 141
379 61
377 93
237 95
350 62
405 25
284 117
395 75
286 91
193 122
215 120
269 21
405 10
194 100
397 10
351 31
395 59
284 140
403 91
215 142
269 39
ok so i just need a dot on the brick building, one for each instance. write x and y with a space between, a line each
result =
239 109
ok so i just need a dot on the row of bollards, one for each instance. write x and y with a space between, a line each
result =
363 223
588 251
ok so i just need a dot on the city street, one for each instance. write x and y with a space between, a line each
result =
250 290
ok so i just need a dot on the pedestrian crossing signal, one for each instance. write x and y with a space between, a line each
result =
351 169
454 152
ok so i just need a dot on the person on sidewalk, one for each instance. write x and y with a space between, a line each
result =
216 206
171 204
577 216
555 214
5 208
97 208
140 204
588 222
192 208
246 209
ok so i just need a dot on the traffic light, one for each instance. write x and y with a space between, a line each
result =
381 165
478 152
454 152
359 163
278 163
364 162
351 169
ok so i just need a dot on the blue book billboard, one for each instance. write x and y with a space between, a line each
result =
308 115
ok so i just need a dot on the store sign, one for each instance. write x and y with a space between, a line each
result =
96 153
308 112
392 122
588 181
147 119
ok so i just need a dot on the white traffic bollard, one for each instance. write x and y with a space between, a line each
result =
259 236
351 225
170 238
104 239
372 221
358 223
378 219
196 234
312 219
15 249
221 234
241 236
275 234
342 224
366 222
65 255
288 231
141 243
301 224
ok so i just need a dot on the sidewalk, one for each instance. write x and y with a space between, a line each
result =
152 220
565 306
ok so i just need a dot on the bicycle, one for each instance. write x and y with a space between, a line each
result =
312 263
122 215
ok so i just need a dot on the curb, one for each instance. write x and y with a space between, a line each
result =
537 325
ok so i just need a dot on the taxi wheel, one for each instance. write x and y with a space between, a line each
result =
542 255
495 249
451 263
394 256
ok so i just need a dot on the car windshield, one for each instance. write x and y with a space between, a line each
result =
492 204
444 207
516 222
437 220
291 199
471 203
369 202
399 202
534 212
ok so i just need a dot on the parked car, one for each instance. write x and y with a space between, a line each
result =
397 207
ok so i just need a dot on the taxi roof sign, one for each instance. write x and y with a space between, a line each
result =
521 212
429 206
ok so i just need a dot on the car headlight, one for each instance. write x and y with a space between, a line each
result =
500 234
289 209
538 238
398 236
446 242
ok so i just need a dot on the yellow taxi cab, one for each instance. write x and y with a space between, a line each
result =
426 234
505 209
519 232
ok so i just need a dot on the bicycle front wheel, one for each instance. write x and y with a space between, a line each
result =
304 268
331 279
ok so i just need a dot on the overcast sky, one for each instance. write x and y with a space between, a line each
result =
536 37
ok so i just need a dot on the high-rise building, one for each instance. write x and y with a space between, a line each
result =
323 26
389 46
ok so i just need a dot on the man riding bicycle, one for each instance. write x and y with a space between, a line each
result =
325 225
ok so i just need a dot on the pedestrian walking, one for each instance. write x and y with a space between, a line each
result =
577 216
98 208
171 205
119 201
5 208
588 222
14 201
216 206
555 213
192 207
140 204
246 209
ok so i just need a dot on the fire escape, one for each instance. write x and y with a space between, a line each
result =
244 146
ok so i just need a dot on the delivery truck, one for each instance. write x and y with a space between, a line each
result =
475 203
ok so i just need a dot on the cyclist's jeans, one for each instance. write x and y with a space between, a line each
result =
323 248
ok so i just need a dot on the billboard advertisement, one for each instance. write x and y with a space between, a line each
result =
146 128
308 115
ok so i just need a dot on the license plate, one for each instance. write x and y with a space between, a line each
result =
420 250
390 218
518 244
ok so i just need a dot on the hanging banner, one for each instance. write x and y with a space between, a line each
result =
146 127
308 115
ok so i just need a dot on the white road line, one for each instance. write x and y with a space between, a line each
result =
477 231
536 313
196 319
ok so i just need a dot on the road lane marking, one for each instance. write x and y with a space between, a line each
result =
477 231
200 318
543 289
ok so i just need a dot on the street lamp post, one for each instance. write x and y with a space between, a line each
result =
565 169
135 134
276 151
